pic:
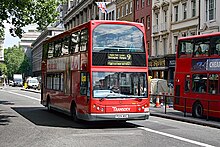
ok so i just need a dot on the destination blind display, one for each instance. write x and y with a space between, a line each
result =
119 59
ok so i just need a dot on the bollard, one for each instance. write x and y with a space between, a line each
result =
157 105
25 85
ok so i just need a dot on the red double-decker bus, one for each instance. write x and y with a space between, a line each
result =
97 71
197 89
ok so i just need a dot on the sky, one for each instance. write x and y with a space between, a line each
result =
10 41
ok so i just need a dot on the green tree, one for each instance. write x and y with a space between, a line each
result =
16 61
3 69
20 13
25 67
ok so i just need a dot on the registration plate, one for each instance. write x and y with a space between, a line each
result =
121 116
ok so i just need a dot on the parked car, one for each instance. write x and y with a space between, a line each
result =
11 83
32 83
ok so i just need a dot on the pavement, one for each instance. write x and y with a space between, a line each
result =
172 114
179 116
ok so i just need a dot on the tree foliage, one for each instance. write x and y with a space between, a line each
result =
3 69
16 61
20 13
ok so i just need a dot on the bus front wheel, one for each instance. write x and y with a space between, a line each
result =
197 110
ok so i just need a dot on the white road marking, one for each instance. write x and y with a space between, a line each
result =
23 95
176 137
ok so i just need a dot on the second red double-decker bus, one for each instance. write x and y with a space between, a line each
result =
197 89
97 71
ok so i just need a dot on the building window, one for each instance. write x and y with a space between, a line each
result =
131 5
193 4
118 13
148 2
175 43
113 15
142 20
176 12
126 13
165 46
165 16
156 18
148 22
210 9
137 4
156 47
122 11
142 3
184 11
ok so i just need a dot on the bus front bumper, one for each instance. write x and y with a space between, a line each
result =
114 116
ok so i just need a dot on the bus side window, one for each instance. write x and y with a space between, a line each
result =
202 47
199 83
57 48
217 49
84 40
213 84
65 46
74 43
50 50
185 49
215 45
187 83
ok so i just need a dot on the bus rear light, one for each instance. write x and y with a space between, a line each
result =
98 108
139 109
102 109
94 106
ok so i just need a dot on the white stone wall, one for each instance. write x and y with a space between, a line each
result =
161 31
209 26
183 27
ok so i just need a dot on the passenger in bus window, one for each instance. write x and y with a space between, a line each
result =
202 88
212 89
198 51
217 49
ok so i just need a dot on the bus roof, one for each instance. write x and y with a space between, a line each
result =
68 32
200 36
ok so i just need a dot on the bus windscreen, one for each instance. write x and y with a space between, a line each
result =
117 38
119 84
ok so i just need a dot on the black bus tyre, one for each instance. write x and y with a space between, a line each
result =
48 104
74 114
197 110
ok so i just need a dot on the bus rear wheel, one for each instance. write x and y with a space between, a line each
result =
197 110
48 104
74 114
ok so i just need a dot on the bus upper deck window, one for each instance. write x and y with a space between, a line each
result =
185 48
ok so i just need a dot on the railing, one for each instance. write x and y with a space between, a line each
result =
166 98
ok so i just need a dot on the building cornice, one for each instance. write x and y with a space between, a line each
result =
76 10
